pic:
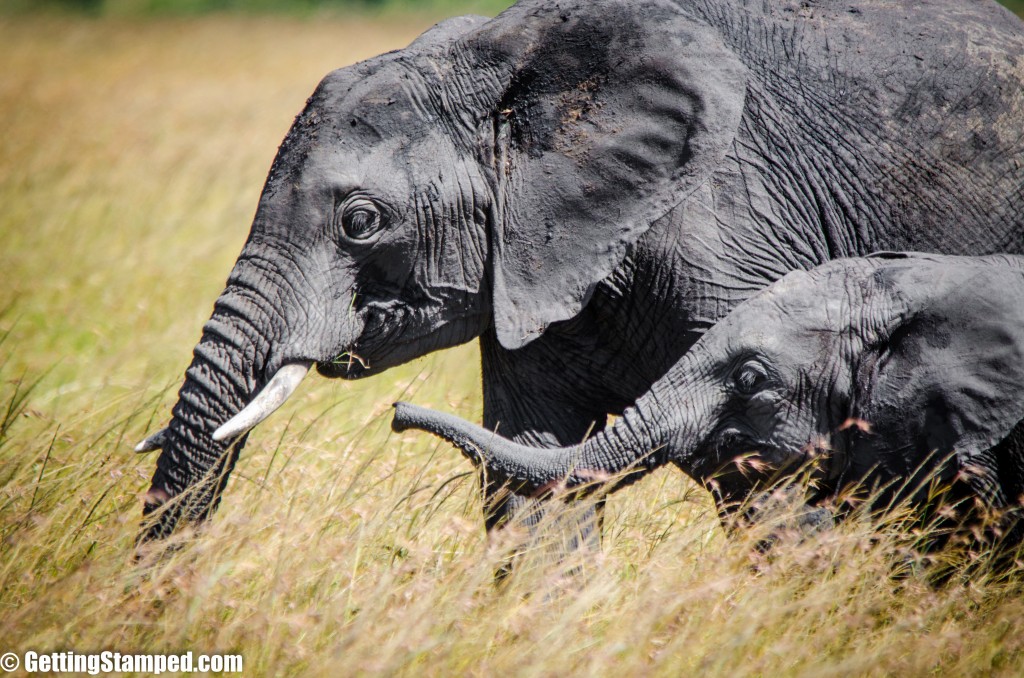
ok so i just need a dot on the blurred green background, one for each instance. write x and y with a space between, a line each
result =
300 7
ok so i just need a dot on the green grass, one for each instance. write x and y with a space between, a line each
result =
1014 5
132 157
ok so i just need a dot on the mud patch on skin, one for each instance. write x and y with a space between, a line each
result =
575 109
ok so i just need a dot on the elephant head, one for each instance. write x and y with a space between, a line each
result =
489 175
883 367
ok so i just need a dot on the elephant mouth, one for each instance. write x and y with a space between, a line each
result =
384 345
346 366
352 364
742 456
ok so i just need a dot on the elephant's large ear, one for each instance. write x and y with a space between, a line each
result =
599 118
947 374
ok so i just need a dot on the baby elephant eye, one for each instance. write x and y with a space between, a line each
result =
750 377
360 219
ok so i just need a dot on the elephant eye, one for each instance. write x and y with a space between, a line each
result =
360 218
750 377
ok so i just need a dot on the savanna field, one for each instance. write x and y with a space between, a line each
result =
133 149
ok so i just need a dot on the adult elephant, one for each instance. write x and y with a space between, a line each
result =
588 186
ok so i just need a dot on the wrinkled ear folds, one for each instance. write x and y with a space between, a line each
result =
606 115
947 375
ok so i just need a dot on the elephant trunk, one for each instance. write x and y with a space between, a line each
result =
619 455
228 367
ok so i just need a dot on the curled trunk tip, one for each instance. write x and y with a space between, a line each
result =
456 431
153 442
406 416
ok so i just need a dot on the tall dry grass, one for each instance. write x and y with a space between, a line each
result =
130 164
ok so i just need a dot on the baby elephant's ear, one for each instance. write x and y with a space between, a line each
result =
605 115
948 374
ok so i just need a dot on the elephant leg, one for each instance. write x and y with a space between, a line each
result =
530 404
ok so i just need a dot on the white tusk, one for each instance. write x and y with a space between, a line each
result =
278 389
153 442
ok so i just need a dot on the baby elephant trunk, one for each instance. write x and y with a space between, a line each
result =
618 456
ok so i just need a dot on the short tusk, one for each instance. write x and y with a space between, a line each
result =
153 442
278 389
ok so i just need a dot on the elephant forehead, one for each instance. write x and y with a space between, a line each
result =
780 321
755 325
351 165
368 83
800 307
828 298
389 99
392 169
347 114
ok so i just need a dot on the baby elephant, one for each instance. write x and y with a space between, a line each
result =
895 373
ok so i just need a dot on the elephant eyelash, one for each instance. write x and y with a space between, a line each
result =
359 218
750 375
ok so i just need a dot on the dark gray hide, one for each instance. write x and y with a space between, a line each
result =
890 372
588 186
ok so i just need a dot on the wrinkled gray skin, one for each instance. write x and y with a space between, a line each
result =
588 186
890 372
